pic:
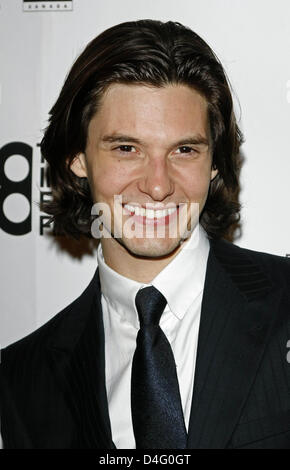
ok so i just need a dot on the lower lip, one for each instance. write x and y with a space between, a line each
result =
154 221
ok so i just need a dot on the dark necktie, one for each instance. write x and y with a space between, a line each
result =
157 414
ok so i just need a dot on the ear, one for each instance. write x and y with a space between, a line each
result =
214 172
78 165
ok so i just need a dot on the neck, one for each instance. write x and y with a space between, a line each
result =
139 268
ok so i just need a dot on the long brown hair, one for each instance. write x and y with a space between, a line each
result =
145 52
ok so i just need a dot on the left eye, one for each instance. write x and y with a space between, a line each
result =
185 149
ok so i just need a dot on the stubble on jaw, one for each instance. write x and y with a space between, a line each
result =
152 253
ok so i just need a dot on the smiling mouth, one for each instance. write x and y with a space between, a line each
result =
151 216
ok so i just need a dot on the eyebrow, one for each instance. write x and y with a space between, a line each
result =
193 140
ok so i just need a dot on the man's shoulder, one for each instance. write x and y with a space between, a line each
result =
258 256
275 267
32 349
36 343
39 337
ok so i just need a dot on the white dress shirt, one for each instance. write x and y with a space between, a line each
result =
181 282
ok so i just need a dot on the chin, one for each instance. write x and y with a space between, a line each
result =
151 248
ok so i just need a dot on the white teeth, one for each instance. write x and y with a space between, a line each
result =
170 211
150 213
130 208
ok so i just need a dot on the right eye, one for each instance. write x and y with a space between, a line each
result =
126 148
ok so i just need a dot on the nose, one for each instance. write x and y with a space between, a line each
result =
156 181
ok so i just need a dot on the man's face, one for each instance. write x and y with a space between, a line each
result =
151 146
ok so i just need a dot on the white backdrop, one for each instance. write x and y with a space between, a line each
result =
251 37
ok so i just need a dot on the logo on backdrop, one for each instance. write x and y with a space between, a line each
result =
15 187
47 5
16 176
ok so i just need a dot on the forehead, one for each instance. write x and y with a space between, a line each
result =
148 111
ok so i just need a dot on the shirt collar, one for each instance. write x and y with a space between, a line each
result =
119 291
181 281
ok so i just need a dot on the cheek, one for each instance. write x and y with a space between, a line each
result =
107 181
196 183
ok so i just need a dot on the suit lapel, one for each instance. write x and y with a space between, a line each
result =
238 308
79 360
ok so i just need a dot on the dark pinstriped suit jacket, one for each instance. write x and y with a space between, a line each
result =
53 391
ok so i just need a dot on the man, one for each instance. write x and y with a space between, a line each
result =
180 339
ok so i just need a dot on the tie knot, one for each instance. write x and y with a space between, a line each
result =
150 304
